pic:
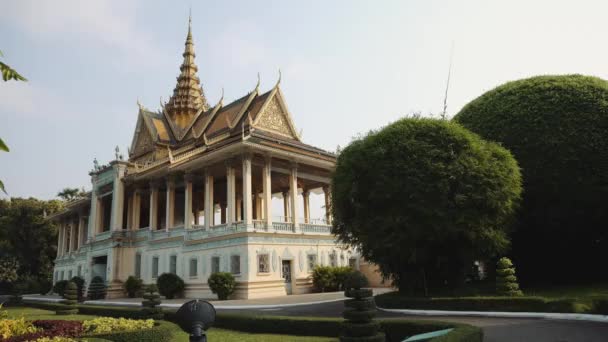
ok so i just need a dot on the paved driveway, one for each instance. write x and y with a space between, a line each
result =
495 329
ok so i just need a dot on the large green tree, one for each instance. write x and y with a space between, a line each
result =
557 129
26 235
424 198
8 73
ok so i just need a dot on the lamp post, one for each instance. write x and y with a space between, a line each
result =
195 317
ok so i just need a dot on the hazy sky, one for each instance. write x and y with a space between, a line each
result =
348 66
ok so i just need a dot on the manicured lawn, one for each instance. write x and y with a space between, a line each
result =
214 334
581 292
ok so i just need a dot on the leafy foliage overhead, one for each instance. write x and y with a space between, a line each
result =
423 197
8 73
557 129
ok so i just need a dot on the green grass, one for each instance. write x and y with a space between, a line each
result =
214 334
580 292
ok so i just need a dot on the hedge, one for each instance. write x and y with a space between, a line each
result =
395 329
511 304
163 331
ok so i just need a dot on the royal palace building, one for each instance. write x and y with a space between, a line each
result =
195 196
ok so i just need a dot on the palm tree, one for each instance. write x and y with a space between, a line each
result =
68 194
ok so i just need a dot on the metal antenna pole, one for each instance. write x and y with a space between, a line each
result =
447 86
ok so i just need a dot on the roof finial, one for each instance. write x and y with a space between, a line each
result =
222 98
257 86
279 80
190 19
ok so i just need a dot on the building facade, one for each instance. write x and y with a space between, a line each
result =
195 196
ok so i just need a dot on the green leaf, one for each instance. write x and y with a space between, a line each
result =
3 146
2 188
9 74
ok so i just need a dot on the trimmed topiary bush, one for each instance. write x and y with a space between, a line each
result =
79 281
556 127
97 288
222 284
170 285
70 301
360 311
133 286
151 303
59 287
506 281
423 199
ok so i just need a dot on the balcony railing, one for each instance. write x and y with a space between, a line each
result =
315 228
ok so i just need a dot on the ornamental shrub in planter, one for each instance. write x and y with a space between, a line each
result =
323 278
59 287
222 284
133 286
170 285
97 288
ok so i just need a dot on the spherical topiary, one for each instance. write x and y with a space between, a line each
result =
97 288
222 284
133 286
79 281
59 287
356 280
557 129
405 192
170 285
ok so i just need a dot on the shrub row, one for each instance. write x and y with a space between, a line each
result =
162 331
511 304
395 329
330 278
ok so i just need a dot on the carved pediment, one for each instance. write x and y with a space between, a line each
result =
143 140
274 118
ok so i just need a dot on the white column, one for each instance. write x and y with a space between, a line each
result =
209 205
65 244
118 197
327 193
188 201
306 198
267 188
59 239
230 194
153 221
247 205
136 209
239 205
293 194
81 228
73 237
130 202
92 228
286 205
170 212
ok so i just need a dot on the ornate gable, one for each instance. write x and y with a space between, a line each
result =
142 139
275 118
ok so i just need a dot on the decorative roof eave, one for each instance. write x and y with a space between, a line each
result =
246 105
214 111
179 134
72 207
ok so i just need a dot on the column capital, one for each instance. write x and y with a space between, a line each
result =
189 177
267 158
305 192
155 184
247 155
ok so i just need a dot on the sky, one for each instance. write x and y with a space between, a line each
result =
347 66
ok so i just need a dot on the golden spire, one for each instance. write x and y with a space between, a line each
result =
188 97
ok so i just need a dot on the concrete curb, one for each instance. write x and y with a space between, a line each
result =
169 305
494 314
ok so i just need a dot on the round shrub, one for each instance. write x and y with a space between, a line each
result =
97 288
222 284
355 280
170 285
557 129
423 198
79 281
59 287
133 286
151 302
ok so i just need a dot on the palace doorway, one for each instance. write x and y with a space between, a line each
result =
286 273
99 267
